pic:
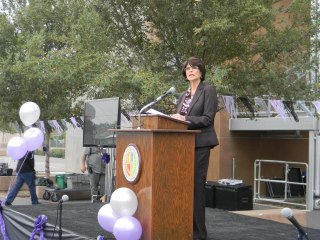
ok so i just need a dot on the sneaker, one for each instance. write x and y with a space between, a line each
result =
7 204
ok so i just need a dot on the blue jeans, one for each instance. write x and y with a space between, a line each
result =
29 179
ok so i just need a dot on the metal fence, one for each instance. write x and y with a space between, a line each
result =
286 197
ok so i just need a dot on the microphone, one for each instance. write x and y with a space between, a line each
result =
170 91
64 198
287 213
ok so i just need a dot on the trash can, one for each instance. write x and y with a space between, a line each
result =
60 181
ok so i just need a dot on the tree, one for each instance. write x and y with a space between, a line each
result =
47 63
245 44
58 53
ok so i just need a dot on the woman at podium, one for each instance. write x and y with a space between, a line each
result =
198 106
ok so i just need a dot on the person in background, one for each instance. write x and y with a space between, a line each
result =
25 174
91 161
198 106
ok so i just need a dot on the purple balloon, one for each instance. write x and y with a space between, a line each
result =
33 138
16 148
107 217
127 228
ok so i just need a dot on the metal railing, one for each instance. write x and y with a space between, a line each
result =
110 172
258 179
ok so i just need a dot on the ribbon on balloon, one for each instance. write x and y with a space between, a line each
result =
39 225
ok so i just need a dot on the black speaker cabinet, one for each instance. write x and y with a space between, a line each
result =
234 197
210 190
9 171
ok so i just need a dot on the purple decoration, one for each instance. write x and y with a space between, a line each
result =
127 228
279 108
33 138
230 105
75 123
42 127
100 237
2 225
105 158
57 126
107 217
39 225
317 105
16 148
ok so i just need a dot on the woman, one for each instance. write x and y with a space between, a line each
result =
198 106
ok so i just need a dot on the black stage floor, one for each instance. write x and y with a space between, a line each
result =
81 218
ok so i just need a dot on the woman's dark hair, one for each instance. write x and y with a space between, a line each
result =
193 61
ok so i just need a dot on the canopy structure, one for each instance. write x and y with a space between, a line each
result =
270 118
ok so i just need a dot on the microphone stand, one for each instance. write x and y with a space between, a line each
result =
302 236
142 110
60 221
170 91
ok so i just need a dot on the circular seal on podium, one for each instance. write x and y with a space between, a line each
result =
131 163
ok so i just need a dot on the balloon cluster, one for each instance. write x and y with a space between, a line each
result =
116 216
32 138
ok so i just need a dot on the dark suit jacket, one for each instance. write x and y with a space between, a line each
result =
201 114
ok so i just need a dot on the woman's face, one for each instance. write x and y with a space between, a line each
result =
193 73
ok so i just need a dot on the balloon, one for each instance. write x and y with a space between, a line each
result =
127 228
16 148
29 113
124 202
107 217
33 138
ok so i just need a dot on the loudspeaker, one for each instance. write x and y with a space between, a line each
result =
234 197
210 191
9 171
294 175
275 190
6 172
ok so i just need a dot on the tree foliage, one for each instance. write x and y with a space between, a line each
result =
57 53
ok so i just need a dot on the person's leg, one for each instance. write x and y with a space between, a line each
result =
200 173
30 181
94 183
15 189
102 183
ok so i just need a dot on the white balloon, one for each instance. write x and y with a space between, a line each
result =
16 148
29 113
33 138
124 202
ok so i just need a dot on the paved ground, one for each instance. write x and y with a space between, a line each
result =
224 225
221 224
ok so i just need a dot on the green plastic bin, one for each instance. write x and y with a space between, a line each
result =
60 181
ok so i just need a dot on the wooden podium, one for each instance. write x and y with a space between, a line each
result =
165 186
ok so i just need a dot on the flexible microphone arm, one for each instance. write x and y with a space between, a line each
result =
170 91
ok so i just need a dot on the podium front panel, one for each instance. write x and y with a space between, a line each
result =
165 186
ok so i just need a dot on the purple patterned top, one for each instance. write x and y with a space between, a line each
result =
186 103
